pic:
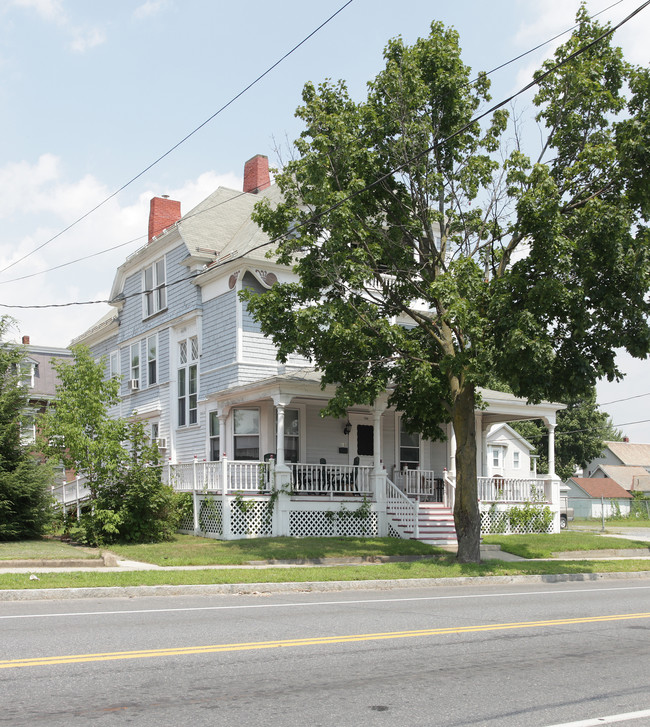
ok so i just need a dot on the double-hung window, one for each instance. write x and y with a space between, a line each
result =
291 435
215 440
155 291
114 365
247 433
152 359
409 449
135 362
188 381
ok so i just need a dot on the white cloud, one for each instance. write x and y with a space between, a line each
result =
47 9
149 9
40 191
85 39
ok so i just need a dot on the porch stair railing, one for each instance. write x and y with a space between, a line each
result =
402 511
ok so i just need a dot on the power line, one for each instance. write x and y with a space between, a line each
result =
102 252
183 140
627 398
377 181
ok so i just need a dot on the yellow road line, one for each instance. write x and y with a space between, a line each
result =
314 641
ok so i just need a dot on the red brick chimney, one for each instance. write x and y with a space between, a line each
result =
163 212
25 340
256 174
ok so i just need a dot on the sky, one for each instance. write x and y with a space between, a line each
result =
93 94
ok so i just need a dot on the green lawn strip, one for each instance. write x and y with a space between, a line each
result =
546 546
440 568
190 550
45 549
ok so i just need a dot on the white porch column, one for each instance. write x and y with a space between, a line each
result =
452 449
551 449
376 435
279 446
280 402
223 441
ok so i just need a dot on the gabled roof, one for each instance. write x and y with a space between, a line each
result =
601 487
630 453
629 478
511 433
222 223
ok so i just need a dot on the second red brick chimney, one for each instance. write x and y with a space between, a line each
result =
256 174
163 212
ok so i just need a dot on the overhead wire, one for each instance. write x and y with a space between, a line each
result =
111 249
182 141
377 181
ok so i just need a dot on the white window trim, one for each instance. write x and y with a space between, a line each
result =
155 290
114 373
137 345
156 359
186 366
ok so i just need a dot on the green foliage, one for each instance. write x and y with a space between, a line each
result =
24 494
530 518
129 503
533 269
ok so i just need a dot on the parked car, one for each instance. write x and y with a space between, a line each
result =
566 513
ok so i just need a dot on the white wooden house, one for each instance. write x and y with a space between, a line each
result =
229 418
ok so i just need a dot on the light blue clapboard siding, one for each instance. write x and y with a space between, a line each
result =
219 324
257 348
182 297
250 282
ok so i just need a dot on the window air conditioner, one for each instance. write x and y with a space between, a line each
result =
161 442
134 384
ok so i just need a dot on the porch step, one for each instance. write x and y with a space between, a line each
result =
435 525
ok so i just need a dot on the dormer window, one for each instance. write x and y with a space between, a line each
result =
155 291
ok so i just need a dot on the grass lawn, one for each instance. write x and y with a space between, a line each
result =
190 550
545 546
45 549
442 567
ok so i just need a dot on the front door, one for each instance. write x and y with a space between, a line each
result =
362 441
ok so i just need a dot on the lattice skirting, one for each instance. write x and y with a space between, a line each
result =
252 518
317 523
498 521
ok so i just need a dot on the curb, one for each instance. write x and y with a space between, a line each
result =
243 589
101 562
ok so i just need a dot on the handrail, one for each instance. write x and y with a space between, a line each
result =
404 509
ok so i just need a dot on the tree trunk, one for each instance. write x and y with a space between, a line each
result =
466 511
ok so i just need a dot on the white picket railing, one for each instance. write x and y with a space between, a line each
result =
72 493
507 489
327 479
402 510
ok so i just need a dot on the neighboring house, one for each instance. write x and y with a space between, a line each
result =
197 371
621 454
588 496
627 463
630 478
40 380
508 454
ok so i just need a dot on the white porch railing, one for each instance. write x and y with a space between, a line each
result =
402 510
326 479
249 477
505 489
426 485
256 477
72 493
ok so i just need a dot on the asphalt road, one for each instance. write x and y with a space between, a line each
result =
533 655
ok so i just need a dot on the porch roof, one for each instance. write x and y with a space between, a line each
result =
306 383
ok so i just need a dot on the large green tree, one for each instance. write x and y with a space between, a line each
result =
430 256
129 501
25 506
